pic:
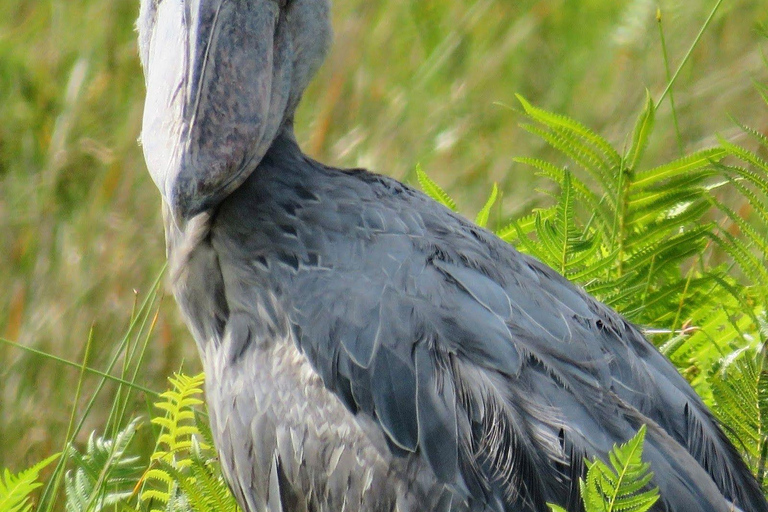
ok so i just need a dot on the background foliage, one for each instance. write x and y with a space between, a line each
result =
429 82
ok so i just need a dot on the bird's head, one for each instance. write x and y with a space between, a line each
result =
223 78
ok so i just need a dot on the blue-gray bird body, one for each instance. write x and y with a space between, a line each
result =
367 349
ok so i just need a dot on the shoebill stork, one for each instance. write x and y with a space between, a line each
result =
365 348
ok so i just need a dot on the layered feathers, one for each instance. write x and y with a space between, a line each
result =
473 376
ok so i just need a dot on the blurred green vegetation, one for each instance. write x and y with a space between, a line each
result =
428 82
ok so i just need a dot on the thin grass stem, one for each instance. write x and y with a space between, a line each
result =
690 52
665 56
73 364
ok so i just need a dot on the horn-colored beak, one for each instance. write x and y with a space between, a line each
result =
218 79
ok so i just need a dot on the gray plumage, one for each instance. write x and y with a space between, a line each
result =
366 348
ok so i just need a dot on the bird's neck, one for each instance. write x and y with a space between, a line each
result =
285 140
284 153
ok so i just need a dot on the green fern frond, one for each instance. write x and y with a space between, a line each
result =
711 338
630 230
752 236
434 190
663 233
185 475
178 425
749 263
520 228
554 173
16 489
587 160
568 245
594 273
560 241
739 386
204 428
179 433
622 486
104 474
747 156
649 206
746 239
689 166
613 293
641 134
568 139
482 216
671 251
757 135
757 178
578 129
154 496
757 204
203 485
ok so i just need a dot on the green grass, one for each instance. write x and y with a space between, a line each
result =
430 82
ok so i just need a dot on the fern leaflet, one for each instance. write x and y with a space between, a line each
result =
433 190
622 486
15 490
104 475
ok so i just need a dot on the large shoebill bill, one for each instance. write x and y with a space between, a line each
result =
365 348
